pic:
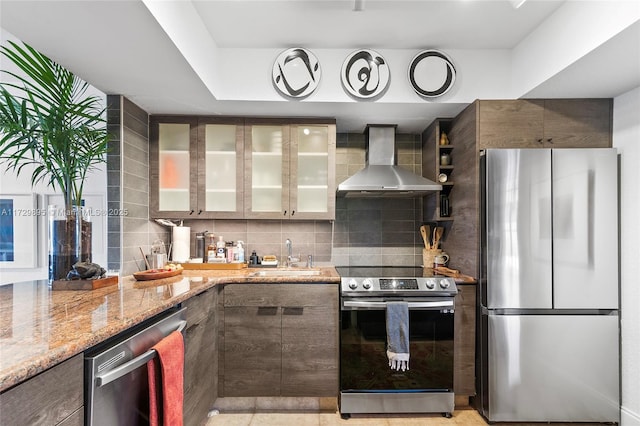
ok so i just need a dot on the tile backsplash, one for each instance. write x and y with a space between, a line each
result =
365 232
377 231
267 237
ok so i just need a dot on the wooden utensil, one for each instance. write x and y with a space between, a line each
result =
437 236
425 231
455 274
146 262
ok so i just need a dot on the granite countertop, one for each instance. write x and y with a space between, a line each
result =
40 328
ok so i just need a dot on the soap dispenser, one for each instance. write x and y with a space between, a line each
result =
253 260
240 251
221 249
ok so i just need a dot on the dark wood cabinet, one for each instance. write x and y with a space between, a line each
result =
578 123
309 350
75 419
252 351
200 357
280 340
510 123
53 397
465 341
544 123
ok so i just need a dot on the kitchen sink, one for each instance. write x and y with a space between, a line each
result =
285 273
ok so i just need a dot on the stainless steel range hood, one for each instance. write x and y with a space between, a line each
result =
381 177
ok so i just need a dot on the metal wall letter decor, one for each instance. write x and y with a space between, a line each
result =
431 73
296 73
365 74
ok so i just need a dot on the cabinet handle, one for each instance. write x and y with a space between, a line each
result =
293 310
293 212
285 213
191 212
539 140
267 310
550 140
199 212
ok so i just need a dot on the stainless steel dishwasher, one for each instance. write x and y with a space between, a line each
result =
116 386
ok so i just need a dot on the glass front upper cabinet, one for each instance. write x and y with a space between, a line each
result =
292 171
236 168
267 157
313 171
220 168
172 150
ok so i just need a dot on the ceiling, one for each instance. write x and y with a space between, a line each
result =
120 47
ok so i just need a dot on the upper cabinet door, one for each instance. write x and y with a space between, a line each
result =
267 170
312 174
545 123
510 124
172 180
220 168
578 123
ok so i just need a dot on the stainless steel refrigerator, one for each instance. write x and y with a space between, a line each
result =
549 285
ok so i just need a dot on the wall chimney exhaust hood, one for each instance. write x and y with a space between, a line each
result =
382 177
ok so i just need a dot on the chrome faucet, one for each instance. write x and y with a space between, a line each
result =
289 251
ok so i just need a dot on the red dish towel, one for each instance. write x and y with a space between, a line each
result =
169 397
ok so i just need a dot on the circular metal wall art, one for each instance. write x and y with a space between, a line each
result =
296 73
431 73
365 74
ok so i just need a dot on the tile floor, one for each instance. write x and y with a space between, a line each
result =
466 417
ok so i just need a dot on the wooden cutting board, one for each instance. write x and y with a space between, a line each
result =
454 273
84 284
204 266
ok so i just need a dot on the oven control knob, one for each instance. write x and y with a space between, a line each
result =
353 284
444 283
431 284
367 283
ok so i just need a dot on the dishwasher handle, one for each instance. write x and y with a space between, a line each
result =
129 366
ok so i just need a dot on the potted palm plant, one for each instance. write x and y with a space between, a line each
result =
52 127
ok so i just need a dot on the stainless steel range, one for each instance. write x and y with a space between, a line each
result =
368 382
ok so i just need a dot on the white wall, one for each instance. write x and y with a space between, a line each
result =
571 33
96 186
626 138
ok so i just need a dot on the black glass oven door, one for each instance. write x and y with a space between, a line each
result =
364 365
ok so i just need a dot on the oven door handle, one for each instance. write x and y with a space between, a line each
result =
412 305
134 364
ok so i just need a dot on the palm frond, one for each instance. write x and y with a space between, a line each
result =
48 121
